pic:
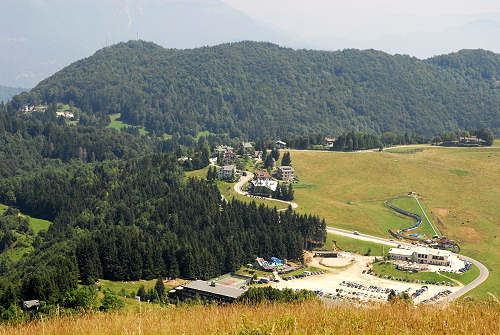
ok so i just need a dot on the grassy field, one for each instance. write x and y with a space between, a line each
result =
118 287
308 318
118 125
348 190
37 225
356 246
464 278
390 270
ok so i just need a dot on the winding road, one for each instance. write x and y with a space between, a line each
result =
483 271
244 179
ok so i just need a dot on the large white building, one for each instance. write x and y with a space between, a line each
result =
227 172
421 255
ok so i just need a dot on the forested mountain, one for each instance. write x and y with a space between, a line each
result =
253 90
8 92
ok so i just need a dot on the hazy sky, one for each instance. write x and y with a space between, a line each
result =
355 18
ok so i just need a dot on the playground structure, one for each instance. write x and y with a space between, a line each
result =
275 264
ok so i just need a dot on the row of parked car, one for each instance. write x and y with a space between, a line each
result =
304 274
420 291
437 297
466 267
370 288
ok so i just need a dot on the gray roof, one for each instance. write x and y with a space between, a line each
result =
31 303
286 168
218 289
229 167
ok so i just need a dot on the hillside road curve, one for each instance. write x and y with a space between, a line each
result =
244 179
483 271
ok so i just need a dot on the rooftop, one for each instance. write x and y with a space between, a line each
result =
398 251
228 167
286 168
270 184
218 289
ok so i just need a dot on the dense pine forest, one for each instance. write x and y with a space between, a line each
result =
252 90
121 209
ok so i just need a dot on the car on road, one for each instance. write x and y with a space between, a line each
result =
355 232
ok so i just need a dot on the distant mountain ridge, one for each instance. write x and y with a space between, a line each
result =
253 90
8 92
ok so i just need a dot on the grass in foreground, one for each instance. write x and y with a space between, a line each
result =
306 318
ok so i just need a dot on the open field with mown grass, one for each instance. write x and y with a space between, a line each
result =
118 125
313 317
348 190
390 270
357 246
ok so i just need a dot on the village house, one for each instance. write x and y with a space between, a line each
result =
220 149
227 172
262 175
470 140
229 157
258 155
263 187
281 145
329 141
247 147
286 173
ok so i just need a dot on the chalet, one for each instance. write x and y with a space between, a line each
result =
286 173
263 187
258 155
207 291
223 148
227 172
247 147
329 141
470 140
445 243
31 305
262 175
281 144
67 115
229 157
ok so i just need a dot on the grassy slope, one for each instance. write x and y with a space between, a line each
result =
348 190
410 204
118 125
356 246
293 318
24 242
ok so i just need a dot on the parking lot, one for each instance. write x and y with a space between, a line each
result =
352 284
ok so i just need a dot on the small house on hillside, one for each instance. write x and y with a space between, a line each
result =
470 140
31 305
263 187
227 172
258 155
280 144
262 175
247 147
329 141
286 173
229 157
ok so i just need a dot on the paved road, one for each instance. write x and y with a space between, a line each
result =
244 179
483 271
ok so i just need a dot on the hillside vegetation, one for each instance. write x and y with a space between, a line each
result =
292 318
349 190
253 90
